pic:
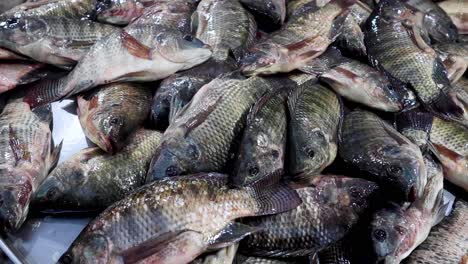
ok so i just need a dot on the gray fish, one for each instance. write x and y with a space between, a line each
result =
327 213
93 179
315 116
174 220
376 147
54 8
273 9
455 59
26 157
458 12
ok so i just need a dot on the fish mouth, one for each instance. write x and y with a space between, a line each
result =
110 145
412 194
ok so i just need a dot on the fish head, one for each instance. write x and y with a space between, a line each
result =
182 49
52 191
315 154
22 31
388 229
118 12
266 58
440 27
113 131
93 248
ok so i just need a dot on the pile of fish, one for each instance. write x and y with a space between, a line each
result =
241 131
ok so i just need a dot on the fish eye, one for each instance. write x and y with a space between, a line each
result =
52 193
380 235
114 121
12 21
66 259
254 171
171 171
310 152
188 38
354 192
275 154
394 170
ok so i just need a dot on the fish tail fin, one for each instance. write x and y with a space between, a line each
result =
45 92
414 119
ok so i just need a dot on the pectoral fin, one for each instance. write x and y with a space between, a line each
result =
135 47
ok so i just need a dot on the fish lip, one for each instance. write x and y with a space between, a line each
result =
412 194
111 145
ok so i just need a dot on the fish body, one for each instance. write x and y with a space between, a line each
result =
454 57
458 12
326 214
200 137
177 219
93 179
376 147
77 9
26 157
54 40
273 9
13 74
109 114
143 53
315 116
225 26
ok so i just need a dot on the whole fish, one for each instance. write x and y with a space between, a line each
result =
301 39
437 23
109 114
396 45
26 157
13 74
78 9
201 136
327 213
397 231
360 83
376 147
143 53
54 40
275 10
93 179
263 144
175 220
455 59
123 12
225 26
447 139
447 242
177 90
222 256
315 116
458 12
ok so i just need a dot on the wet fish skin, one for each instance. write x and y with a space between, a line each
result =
458 12
338 253
93 180
13 74
274 9
327 213
7 5
315 116
184 221
54 40
144 53
455 59
376 147
78 9
200 137
26 158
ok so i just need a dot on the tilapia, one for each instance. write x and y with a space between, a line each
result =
301 39
201 136
263 144
315 116
177 90
26 156
123 12
142 53
396 45
175 220
54 40
13 74
78 9
448 140
327 213
397 231
225 26
455 59
109 114
458 12
447 242
275 10
374 146
93 180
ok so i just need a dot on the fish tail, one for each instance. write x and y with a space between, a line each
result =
45 92
414 119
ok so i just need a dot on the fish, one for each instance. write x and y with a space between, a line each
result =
143 52
396 45
397 231
224 25
447 242
328 211
263 144
13 74
201 136
447 140
54 40
438 24
275 10
177 90
352 37
315 117
78 9
110 113
301 39
27 156
174 220
374 146
454 56
458 12
123 12
92 179
363 84
223 256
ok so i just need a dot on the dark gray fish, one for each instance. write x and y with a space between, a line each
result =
273 9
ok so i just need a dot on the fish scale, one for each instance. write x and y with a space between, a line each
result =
453 136
66 8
